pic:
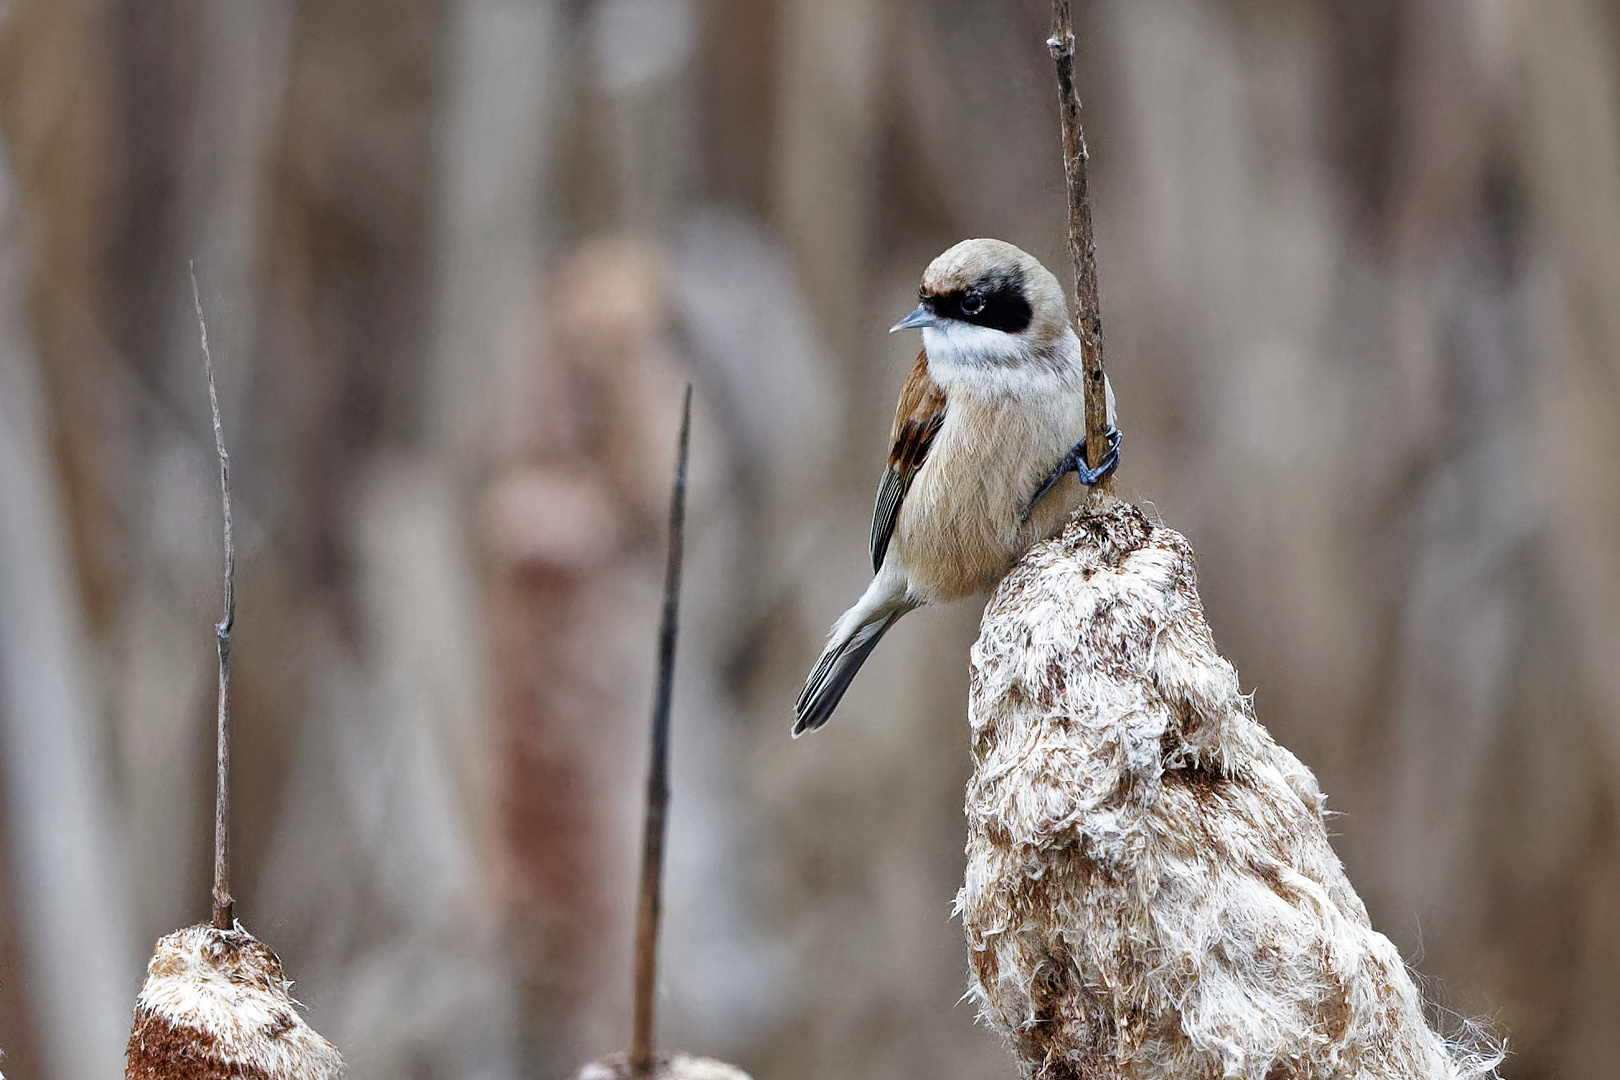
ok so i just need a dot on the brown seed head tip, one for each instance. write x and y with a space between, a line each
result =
669 1067
1150 890
215 1006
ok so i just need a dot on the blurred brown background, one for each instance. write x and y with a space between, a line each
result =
1361 275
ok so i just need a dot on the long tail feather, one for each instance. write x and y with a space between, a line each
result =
834 672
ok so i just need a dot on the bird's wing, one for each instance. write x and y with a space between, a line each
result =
916 422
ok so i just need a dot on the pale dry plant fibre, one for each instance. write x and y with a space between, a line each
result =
1150 890
216 1004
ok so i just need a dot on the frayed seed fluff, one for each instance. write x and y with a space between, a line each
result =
1150 890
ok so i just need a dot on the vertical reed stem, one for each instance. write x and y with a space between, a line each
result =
1082 244
224 913
650 906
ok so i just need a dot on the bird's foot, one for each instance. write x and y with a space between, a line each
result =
1075 461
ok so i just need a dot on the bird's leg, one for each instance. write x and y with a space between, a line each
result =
1075 460
1110 461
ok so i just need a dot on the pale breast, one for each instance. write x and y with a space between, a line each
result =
958 531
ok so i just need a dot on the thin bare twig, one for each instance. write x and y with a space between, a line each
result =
224 906
650 906
1082 245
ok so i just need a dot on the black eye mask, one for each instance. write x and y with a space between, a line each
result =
997 303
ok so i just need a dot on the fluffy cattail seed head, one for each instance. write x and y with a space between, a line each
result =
215 1006
1150 891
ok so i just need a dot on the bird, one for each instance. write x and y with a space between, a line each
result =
987 453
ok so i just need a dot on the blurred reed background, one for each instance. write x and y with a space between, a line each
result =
1361 277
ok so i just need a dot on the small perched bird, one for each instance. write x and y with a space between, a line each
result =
989 427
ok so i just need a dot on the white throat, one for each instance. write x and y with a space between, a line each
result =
993 363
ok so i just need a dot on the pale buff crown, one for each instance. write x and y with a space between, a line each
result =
985 263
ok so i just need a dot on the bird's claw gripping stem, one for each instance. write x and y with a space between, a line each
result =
1075 461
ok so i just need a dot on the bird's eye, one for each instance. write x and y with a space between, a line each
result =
973 302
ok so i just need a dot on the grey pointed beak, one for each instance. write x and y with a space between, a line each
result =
921 317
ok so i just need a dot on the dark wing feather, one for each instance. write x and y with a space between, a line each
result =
916 422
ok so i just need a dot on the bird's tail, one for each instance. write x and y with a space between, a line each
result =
836 669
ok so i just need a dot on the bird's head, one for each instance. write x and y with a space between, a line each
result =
988 303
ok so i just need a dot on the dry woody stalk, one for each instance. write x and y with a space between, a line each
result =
215 1004
643 1062
650 899
1150 890
223 904
1082 243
